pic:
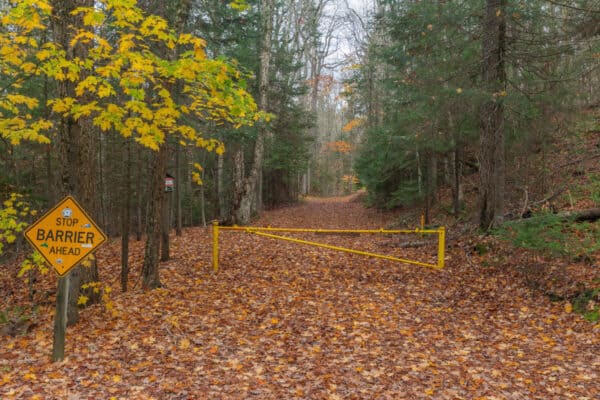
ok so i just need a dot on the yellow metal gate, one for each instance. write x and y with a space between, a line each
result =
269 232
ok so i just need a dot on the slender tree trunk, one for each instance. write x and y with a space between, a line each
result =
150 270
139 196
431 185
223 214
457 195
259 193
491 188
87 171
50 185
102 187
419 170
165 248
126 219
242 209
203 193
50 191
313 103
177 192
239 172
457 187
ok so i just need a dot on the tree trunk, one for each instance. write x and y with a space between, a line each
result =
102 155
74 290
245 192
259 193
591 214
238 177
457 187
176 13
150 275
139 195
87 172
165 248
491 188
177 193
126 219
223 214
202 193
50 182
76 146
50 191
457 191
431 185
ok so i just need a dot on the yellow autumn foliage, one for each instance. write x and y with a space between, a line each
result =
127 87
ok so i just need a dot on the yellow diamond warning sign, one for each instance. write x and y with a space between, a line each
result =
65 235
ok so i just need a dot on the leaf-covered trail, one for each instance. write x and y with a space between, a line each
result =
288 321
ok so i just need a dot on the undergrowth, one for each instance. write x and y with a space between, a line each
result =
559 236
553 234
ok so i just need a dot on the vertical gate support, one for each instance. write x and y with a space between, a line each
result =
441 246
215 252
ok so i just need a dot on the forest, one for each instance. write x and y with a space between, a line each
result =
160 117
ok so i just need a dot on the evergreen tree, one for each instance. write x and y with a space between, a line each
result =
428 90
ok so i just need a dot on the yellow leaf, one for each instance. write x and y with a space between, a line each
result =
199 53
568 308
196 178
29 376
429 392
274 321
105 91
82 301
184 344
239 5
43 54
116 378
459 90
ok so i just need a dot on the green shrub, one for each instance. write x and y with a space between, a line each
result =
587 305
594 188
553 234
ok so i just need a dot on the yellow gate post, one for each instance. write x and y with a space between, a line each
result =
215 252
441 246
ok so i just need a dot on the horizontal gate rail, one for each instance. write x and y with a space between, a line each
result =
441 232
269 229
